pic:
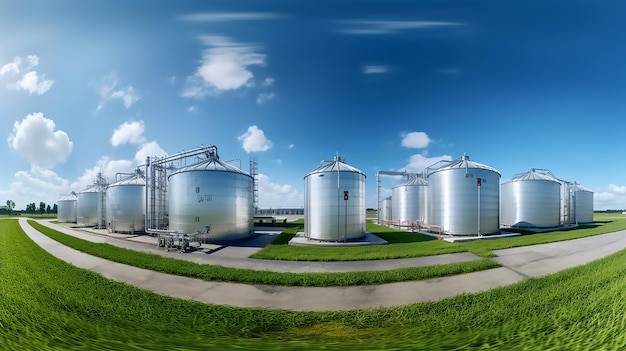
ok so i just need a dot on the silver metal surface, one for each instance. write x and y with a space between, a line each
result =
214 194
386 212
410 201
456 201
66 208
531 200
87 207
125 205
582 211
327 215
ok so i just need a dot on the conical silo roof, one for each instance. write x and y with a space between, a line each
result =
213 163
461 162
534 174
337 165
137 179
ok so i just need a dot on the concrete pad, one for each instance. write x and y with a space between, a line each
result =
368 239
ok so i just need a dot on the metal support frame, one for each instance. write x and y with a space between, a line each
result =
156 185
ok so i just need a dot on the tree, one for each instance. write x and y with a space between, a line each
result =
10 206
42 207
48 209
55 209
30 208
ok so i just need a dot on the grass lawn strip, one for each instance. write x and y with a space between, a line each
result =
221 273
51 305
404 244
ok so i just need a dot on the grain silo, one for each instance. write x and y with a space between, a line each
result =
88 206
334 202
531 200
125 204
386 213
582 204
463 197
211 197
409 201
66 207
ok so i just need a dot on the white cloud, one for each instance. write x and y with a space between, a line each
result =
272 195
291 146
32 83
617 189
611 198
378 27
375 69
254 140
35 139
128 132
415 140
33 60
13 66
109 169
225 67
229 16
268 82
418 162
148 149
35 185
192 109
108 90
265 97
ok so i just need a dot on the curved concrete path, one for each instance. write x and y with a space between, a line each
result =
518 264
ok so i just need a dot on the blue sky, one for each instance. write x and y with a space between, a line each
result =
389 85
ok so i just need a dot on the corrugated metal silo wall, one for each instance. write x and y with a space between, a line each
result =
453 202
535 203
221 200
327 216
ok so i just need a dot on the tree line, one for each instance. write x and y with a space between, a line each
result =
31 208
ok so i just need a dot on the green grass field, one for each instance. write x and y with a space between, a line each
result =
220 273
50 305
404 244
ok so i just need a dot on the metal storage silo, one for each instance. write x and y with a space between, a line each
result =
211 195
531 199
464 197
66 207
582 200
409 201
386 209
88 206
334 202
126 203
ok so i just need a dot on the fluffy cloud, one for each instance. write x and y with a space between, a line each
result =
35 185
149 149
611 198
254 140
108 90
109 169
128 132
35 139
30 81
272 195
418 162
13 66
415 140
224 67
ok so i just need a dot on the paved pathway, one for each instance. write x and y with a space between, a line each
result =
518 263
